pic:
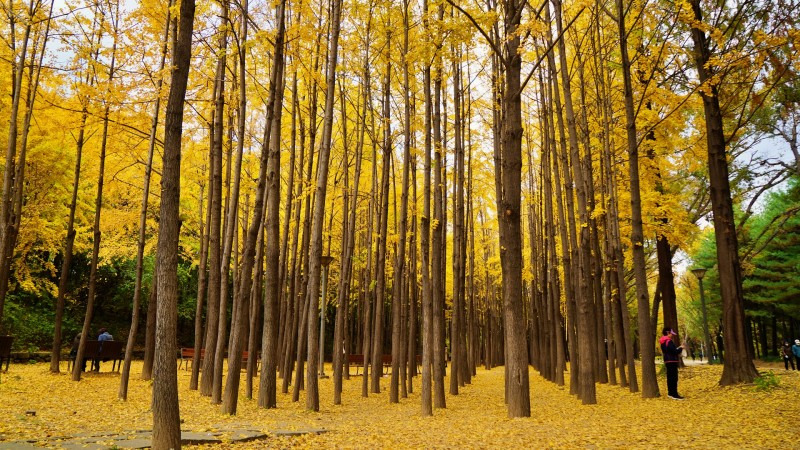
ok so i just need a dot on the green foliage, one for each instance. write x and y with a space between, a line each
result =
30 315
770 257
770 280
767 381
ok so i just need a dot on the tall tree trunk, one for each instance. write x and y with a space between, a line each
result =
301 283
438 239
315 252
6 206
646 335
78 367
269 173
510 215
398 299
457 363
737 365
380 277
425 224
70 239
584 320
339 349
137 290
214 249
413 307
166 416
289 315
255 315
291 298
231 205
19 186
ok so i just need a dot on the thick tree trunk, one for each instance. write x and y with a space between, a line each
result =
510 214
166 416
738 365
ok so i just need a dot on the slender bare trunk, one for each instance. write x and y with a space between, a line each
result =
77 367
315 252
646 335
137 290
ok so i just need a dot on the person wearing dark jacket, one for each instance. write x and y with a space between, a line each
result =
671 360
787 356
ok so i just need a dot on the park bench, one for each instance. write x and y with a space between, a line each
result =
187 356
355 360
386 359
109 350
5 350
358 361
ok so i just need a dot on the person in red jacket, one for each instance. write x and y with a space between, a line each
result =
671 360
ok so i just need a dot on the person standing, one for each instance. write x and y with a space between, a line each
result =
796 352
788 358
671 360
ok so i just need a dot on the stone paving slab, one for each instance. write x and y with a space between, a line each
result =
77 446
247 435
299 432
134 443
143 438
16 445
190 437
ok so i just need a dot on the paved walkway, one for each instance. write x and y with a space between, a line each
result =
143 438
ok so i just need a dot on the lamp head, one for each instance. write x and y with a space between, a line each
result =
699 272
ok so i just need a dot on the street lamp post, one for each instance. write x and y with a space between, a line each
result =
700 273
325 261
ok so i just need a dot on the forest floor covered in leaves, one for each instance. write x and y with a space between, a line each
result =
711 416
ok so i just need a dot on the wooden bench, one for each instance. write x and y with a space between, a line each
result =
386 359
109 350
358 361
5 350
187 356
355 360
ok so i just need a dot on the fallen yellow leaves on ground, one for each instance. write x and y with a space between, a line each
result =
711 416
